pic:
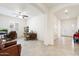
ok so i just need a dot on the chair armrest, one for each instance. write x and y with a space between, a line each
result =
9 43
14 50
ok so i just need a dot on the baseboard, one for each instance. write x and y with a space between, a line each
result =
65 36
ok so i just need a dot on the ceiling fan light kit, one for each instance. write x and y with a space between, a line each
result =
20 15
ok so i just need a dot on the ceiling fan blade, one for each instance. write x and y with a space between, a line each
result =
24 16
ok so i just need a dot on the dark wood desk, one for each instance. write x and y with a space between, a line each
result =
30 36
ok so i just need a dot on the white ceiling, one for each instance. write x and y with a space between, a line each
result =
13 9
73 11
34 9
52 5
59 10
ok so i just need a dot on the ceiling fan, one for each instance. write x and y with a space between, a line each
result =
21 15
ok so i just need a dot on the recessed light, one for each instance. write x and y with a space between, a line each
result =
66 11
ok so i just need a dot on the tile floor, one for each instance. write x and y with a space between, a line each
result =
61 47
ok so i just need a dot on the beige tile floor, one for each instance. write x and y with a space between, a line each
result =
61 47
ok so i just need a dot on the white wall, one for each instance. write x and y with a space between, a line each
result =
39 25
5 22
68 27
53 27
78 22
46 27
